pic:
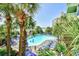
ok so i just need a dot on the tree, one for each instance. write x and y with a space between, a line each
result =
30 23
22 17
7 9
38 30
1 35
14 28
67 28
48 30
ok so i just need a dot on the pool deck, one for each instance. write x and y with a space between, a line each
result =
48 42
35 48
42 46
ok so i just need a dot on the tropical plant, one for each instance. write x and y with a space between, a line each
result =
48 30
67 28
3 52
14 28
2 33
6 9
38 30
30 23
47 52
22 17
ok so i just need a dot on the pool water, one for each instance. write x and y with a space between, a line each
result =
33 41
39 38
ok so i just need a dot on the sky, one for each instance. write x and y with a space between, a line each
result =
47 12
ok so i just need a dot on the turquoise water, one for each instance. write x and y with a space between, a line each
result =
34 40
39 38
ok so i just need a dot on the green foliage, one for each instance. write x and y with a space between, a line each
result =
30 23
13 53
14 27
31 7
48 30
46 52
75 50
61 47
72 9
38 30
67 28
2 32
68 25
10 10
3 52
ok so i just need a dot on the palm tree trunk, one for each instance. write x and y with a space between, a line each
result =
0 42
8 35
22 42
0 39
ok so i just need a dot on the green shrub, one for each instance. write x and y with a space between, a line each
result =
46 52
3 52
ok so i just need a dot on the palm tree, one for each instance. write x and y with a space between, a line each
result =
6 9
21 15
14 28
30 23
68 27
1 35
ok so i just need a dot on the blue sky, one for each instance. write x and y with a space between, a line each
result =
48 12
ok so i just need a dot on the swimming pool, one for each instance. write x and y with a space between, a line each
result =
33 40
39 38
